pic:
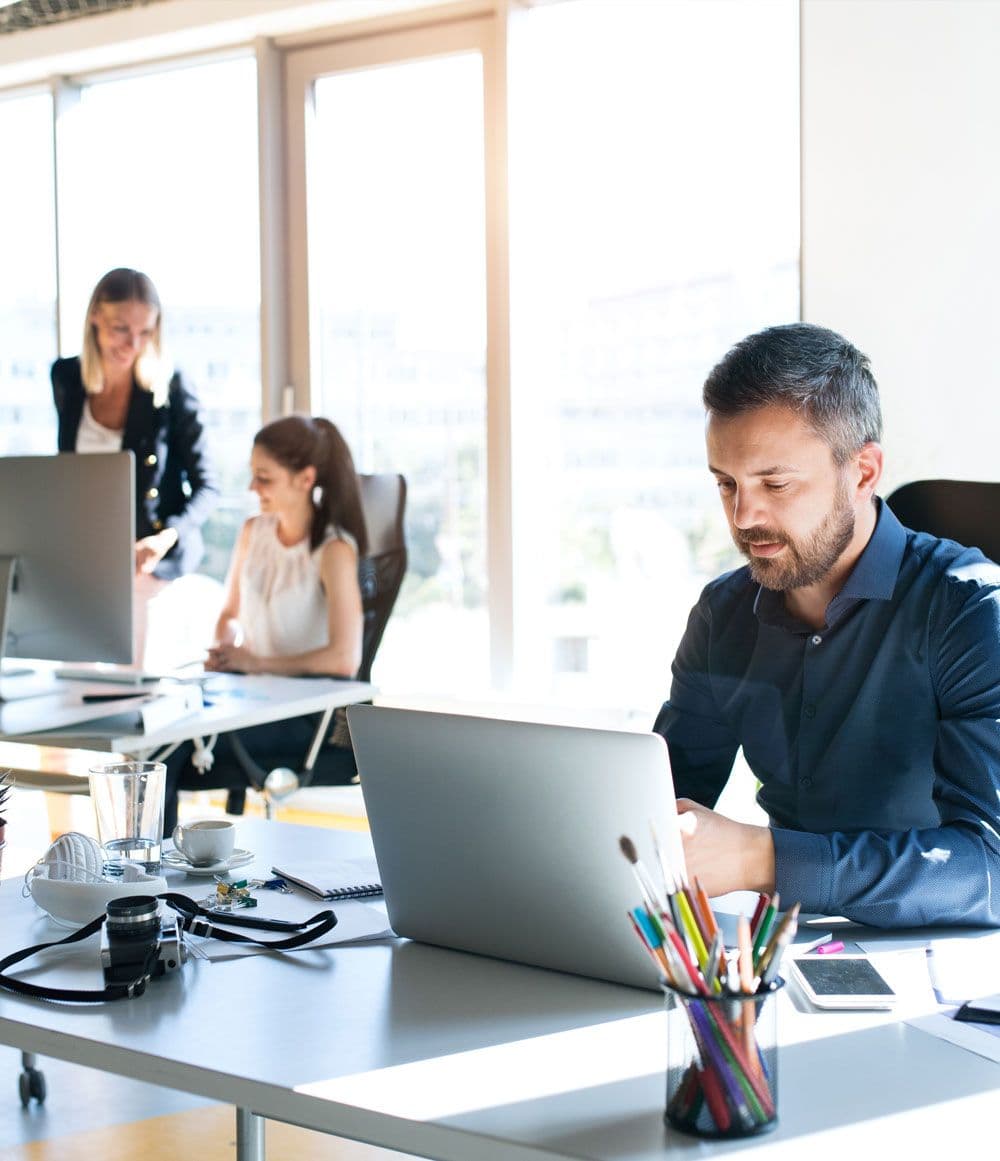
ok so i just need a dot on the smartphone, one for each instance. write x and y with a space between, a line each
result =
841 981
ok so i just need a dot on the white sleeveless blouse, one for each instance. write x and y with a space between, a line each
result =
283 607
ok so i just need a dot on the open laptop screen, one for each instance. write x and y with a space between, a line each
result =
502 837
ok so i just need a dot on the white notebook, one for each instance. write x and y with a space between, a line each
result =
333 878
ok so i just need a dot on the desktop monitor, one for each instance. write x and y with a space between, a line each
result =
67 558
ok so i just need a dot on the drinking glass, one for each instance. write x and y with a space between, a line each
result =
128 801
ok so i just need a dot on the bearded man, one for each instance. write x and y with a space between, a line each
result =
856 662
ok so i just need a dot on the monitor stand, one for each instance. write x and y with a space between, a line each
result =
16 680
8 574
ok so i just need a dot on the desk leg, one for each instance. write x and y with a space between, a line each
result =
249 1136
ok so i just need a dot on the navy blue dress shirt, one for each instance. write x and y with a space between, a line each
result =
876 739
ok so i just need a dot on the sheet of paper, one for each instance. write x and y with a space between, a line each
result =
356 922
964 966
53 712
983 1039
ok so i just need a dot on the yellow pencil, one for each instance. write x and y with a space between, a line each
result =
691 930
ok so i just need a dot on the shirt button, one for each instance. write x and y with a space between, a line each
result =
150 460
152 493
809 710
817 640
157 525
805 782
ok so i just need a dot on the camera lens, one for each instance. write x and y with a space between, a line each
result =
133 917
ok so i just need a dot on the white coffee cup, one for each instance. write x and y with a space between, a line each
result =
209 840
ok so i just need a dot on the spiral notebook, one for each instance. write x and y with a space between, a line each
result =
334 878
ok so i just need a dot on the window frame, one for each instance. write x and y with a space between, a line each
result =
486 36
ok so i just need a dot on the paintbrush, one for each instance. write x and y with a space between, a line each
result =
646 885
670 881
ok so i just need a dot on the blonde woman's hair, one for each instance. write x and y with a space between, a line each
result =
153 370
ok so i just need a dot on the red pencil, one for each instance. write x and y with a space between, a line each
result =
758 911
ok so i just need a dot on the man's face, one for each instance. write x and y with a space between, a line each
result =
789 506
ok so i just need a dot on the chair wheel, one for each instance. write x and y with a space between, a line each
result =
31 1085
37 1084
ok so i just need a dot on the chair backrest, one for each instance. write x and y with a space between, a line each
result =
381 572
962 510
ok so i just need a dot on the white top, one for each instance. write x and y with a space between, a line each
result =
283 608
92 436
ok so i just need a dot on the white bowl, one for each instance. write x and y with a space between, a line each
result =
76 904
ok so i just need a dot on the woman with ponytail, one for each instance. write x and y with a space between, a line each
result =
293 605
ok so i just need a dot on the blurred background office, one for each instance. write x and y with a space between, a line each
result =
499 245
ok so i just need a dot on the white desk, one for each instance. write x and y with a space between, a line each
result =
232 701
462 1058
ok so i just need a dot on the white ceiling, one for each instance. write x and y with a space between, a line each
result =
151 29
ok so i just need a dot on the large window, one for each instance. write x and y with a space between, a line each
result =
396 267
502 252
654 221
27 277
160 173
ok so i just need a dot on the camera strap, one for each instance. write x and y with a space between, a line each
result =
193 918
70 995
199 920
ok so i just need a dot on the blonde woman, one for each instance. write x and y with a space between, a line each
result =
121 394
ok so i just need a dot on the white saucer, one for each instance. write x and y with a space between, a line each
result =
177 862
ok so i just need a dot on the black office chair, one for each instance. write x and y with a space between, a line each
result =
962 510
381 572
327 760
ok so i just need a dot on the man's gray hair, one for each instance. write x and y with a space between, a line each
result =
807 369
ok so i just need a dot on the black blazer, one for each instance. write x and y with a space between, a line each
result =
175 486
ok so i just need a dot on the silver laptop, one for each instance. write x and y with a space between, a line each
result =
501 837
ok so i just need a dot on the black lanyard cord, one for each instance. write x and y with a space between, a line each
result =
199 921
79 995
193 918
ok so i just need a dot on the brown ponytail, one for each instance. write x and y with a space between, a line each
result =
302 441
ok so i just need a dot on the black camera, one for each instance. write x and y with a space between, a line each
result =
136 942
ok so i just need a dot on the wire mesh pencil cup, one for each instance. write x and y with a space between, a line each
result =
722 1063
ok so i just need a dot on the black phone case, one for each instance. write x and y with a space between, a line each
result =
970 1014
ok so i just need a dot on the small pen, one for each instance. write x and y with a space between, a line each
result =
91 697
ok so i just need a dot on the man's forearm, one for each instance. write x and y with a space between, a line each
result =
941 875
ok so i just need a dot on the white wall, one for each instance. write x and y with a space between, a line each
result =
901 216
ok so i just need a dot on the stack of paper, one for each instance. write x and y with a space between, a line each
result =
148 713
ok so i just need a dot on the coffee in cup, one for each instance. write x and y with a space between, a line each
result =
206 841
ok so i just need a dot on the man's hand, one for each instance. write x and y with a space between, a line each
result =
725 855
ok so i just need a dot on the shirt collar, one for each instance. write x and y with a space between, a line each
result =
873 577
